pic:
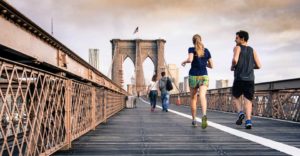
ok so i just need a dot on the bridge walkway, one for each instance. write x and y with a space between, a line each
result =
141 132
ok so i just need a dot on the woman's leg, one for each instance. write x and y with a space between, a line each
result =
151 99
154 99
203 101
203 89
193 92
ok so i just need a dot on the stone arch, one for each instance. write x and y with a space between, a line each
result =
148 70
128 75
137 50
128 57
152 57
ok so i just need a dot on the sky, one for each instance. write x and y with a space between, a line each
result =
273 26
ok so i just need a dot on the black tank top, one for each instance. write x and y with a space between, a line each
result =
244 70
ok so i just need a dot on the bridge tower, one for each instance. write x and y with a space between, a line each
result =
137 50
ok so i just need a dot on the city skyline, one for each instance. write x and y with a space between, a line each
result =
273 26
94 56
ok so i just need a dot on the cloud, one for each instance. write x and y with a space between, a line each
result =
273 26
255 15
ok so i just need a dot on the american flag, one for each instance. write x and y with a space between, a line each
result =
136 30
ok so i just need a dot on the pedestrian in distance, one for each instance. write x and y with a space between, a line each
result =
165 96
152 92
245 60
200 59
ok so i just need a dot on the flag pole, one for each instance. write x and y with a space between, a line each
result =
51 26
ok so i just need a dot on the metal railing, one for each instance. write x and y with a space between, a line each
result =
41 112
278 99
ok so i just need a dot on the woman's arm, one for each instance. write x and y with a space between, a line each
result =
210 63
188 60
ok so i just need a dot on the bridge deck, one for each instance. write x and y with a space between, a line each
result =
140 132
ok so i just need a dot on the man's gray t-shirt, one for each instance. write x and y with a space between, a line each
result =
162 84
244 69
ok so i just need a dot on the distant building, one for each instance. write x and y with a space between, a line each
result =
221 83
131 89
94 58
173 72
181 87
186 87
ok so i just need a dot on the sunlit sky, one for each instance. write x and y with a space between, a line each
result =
273 25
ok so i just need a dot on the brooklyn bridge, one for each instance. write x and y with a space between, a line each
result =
52 102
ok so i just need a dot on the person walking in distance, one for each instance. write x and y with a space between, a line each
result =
152 92
200 58
164 92
245 60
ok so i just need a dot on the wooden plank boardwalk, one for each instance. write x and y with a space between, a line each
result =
141 132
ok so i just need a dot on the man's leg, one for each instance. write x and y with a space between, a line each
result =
248 108
237 103
167 101
248 94
162 101
241 114
237 91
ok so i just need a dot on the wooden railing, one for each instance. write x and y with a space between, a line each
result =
42 112
278 99
49 96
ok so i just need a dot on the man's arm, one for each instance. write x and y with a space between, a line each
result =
256 60
236 54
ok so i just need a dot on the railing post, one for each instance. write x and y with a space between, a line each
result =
93 108
104 105
68 99
271 104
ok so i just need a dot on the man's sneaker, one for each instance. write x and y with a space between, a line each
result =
194 123
239 121
248 124
204 122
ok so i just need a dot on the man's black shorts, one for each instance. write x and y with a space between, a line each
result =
243 87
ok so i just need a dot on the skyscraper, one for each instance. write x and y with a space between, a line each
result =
94 58
181 87
186 87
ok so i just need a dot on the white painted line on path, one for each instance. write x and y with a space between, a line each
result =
261 117
291 150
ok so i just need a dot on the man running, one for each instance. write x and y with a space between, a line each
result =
245 60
